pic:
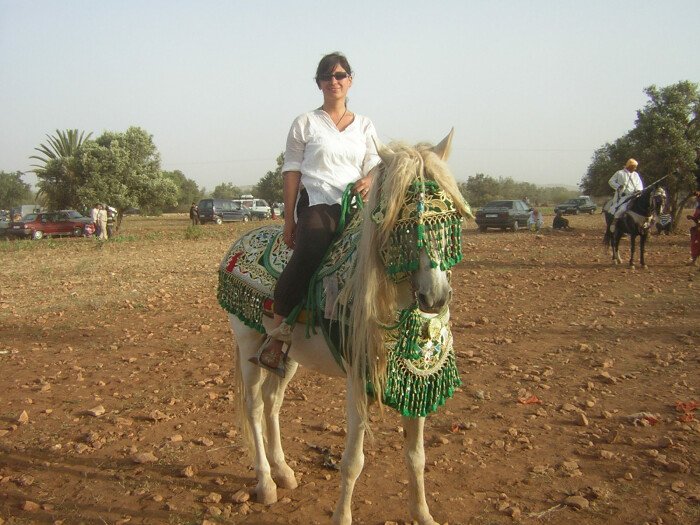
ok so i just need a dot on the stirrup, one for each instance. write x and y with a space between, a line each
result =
281 333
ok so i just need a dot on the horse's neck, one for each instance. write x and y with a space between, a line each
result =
641 205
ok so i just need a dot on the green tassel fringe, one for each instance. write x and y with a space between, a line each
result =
241 300
410 389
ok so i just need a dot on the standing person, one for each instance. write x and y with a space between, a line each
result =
327 149
111 218
194 214
695 232
625 182
93 218
102 222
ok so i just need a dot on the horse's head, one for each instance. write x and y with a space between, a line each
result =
418 212
397 309
650 201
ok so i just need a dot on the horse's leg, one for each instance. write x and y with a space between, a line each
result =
353 459
266 489
642 245
617 235
633 242
415 461
273 397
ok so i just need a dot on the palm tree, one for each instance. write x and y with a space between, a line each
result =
57 175
63 145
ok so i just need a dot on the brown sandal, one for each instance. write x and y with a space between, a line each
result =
271 359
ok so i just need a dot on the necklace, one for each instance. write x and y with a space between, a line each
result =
341 116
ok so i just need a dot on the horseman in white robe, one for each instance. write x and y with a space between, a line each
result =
625 182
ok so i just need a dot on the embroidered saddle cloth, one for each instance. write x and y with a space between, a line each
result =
422 372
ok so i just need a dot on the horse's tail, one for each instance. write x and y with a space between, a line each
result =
607 238
240 410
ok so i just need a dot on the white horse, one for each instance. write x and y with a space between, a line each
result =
396 317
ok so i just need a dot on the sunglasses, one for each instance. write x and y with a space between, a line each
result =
341 75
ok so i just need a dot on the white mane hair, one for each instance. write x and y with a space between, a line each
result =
370 301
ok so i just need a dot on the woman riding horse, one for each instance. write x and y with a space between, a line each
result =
394 259
326 149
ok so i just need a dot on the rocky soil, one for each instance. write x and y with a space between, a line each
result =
579 402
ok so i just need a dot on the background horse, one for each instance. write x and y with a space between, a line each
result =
636 221
396 300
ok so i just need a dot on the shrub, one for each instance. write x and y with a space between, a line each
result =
193 233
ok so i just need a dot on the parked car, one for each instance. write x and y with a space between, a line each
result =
222 210
258 207
503 214
54 223
582 204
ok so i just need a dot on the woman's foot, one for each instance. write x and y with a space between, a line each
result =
692 262
271 356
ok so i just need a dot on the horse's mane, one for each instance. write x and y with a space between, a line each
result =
372 301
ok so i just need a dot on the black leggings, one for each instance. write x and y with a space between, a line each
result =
315 232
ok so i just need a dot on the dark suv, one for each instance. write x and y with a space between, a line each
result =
582 204
222 210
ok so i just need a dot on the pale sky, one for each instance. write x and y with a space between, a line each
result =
532 88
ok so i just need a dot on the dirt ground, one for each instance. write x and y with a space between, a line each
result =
576 407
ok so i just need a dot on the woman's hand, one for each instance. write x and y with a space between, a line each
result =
290 228
363 185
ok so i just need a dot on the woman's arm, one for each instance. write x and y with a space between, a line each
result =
363 185
291 190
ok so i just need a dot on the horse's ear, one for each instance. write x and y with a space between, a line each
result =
384 152
442 150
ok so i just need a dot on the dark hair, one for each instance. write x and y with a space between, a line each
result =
328 63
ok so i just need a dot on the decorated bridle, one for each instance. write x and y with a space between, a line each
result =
428 221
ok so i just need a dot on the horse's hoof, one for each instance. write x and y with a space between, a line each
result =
645 267
341 519
266 495
285 479
632 267
425 520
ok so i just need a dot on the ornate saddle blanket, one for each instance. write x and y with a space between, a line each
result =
422 372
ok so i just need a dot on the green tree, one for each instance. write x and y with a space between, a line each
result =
13 190
57 169
271 186
188 191
606 161
665 141
668 135
123 171
480 189
226 190
63 145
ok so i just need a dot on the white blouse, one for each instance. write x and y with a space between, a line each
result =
329 159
